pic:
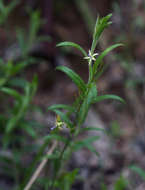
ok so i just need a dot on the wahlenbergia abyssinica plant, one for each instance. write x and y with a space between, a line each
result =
87 96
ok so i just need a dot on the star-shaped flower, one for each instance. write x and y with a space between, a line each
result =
91 57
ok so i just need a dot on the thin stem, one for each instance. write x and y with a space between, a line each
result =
90 71
60 160
40 167
37 158
74 135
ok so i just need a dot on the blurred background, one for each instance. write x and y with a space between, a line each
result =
29 32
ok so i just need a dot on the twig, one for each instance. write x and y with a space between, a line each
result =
40 167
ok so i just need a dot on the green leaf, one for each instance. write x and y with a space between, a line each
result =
11 124
55 137
101 69
17 82
34 25
72 44
121 184
29 129
138 170
108 96
86 143
101 24
93 129
103 54
33 85
92 149
6 9
106 18
18 67
75 77
61 106
12 92
11 6
66 180
92 94
3 81
103 186
22 107
21 40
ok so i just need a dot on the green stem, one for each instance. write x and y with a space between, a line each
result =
90 71
60 161
69 141
76 133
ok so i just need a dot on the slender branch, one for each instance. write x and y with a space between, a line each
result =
60 160
40 167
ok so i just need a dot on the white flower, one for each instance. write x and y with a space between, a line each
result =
91 57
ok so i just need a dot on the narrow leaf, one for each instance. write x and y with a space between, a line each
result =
55 137
92 149
30 130
11 92
101 24
101 69
106 18
17 82
61 106
103 54
139 171
86 143
93 129
74 76
72 44
17 68
108 96
11 124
